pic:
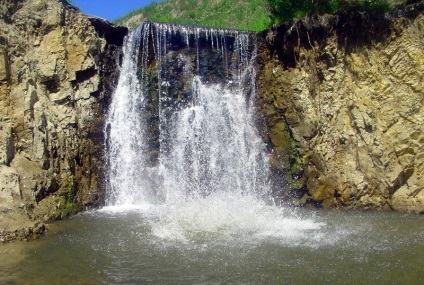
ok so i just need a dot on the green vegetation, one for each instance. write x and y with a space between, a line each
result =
284 10
253 15
69 199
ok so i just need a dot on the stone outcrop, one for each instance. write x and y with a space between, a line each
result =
342 98
56 75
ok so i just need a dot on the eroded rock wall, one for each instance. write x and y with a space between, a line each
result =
56 73
342 98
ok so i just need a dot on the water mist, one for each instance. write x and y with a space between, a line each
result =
182 142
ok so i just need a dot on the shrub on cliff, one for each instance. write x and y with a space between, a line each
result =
284 10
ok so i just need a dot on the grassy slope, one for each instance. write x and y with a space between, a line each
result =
253 15
233 14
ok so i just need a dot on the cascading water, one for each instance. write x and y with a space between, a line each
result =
188 198
181 136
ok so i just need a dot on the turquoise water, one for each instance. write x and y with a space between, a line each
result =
128 247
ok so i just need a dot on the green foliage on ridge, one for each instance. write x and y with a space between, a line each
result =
253 15
284 10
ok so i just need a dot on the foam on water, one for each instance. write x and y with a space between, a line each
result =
225 218
211 178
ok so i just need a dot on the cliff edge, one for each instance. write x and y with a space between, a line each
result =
56 74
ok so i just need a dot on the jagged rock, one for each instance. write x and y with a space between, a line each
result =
4 67
349 90
7 149
56 76
9 188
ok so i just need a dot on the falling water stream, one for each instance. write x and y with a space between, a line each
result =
207 172
175 141
189 190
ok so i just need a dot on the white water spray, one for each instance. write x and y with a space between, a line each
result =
181 137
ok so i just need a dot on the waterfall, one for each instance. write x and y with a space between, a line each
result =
181 121
182 143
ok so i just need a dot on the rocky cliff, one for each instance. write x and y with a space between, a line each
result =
56 72
342 98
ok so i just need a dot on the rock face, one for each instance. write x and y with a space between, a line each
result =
342 99
56 72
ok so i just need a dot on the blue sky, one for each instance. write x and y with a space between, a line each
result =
110 9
